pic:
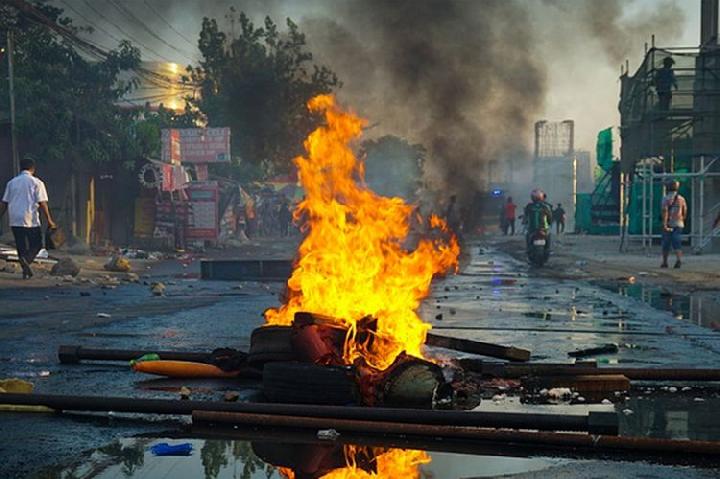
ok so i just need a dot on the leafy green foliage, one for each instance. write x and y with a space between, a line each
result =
258 84
66 101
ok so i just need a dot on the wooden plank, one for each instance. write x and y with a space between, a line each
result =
477 347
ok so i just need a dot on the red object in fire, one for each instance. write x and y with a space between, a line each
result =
316 341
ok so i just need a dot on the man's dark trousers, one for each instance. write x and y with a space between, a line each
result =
28 242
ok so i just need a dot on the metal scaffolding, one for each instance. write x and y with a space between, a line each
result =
670 129
648 175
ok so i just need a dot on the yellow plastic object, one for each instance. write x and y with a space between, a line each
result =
14 385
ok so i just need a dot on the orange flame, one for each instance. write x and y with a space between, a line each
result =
390 464
395 463
352 263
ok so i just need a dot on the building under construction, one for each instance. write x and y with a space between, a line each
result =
670 129
555 165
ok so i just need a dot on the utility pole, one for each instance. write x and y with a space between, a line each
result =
230 16
11 89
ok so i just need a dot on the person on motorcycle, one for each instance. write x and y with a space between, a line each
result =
538 216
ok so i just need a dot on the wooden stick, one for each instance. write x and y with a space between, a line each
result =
476 347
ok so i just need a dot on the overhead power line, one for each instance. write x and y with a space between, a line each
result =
170 26
89 47
89 22
129 14
127 35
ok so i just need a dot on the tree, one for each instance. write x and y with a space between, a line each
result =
66 99
258 84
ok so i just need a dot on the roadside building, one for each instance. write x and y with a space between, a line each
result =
555 164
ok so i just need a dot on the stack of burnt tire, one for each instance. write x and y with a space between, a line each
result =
288 377
303 363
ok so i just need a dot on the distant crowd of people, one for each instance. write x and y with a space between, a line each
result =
508 215
266 214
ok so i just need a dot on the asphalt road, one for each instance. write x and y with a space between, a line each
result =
495 298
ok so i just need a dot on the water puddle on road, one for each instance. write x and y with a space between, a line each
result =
288 459
701 307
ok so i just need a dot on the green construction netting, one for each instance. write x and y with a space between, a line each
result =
604 149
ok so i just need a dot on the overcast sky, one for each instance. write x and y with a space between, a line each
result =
582 76
586 89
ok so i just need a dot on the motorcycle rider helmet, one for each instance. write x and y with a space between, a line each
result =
537 195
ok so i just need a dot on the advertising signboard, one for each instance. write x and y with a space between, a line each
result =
196 145
203 222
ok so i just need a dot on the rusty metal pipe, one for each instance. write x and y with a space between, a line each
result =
594 422
435 444
575 440
638 374
75 354
612 332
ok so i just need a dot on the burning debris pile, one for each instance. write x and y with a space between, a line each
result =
355 289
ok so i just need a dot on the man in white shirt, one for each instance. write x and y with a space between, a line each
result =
25 195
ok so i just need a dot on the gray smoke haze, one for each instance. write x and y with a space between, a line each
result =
460 77
467 79
618 33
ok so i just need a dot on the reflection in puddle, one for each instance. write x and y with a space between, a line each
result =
699 308
264 459
345 461
680 413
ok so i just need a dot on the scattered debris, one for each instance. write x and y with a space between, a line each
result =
165 449
609 348
12 268
65 267
157 289
328 434
145 357
185 392
118 264
231 396
15 385
556 393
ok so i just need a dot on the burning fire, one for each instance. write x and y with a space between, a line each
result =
388 464
352 263
395 463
